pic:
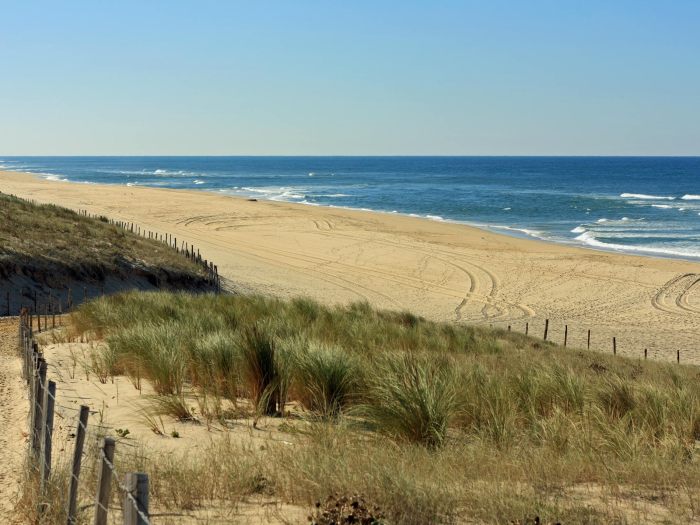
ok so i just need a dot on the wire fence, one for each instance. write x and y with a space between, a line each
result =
46 307
44 406
585 338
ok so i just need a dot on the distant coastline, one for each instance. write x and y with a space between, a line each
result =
637 205
437 269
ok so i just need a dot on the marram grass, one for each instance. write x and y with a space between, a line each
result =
437 421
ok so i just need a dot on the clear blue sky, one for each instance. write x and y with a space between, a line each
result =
356 77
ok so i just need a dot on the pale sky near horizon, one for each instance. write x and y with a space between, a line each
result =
350 78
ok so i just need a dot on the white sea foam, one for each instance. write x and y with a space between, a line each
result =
578 229
531 233
286 195
602 220
168 173
645 197
589 239
663 206
197 181
51 176
434 217
506 209
690 197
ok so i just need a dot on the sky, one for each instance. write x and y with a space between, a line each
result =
381 77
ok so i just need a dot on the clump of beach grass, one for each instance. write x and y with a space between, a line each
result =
327 379
413 398
260 369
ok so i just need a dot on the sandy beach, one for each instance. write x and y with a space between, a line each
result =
439 270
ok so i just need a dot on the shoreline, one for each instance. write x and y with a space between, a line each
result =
442 270
496 229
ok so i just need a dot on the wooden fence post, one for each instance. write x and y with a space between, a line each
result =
38 401
614 346
8 305
678 356
104 481
546 328
136 484
527 327
47 434
589 339
566 334
77 459
645 353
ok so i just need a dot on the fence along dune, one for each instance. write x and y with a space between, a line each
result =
52 258
43 405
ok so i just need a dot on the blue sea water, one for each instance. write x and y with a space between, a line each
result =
644 205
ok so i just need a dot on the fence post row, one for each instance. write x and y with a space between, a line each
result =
588 338
42 402
185 248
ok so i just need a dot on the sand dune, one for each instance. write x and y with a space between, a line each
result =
441 271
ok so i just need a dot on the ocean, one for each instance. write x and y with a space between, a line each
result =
642 205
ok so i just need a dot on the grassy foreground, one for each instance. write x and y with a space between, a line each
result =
431 422
53 246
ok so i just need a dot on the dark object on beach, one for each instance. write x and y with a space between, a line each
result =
252 200
343 509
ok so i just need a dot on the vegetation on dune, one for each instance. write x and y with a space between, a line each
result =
53 245
327 379
434 421
413 398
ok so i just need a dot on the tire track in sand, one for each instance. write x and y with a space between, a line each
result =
673 297
490 299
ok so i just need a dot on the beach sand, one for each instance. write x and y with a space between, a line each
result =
14 407
439 270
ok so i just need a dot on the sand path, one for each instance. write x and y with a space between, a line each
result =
13 417
442 271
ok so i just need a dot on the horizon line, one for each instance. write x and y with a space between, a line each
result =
359 156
